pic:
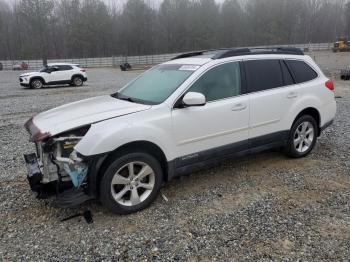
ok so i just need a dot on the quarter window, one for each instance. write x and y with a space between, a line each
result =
302 71
263 74
221 82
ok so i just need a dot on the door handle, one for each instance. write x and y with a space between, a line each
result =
239 107
292 95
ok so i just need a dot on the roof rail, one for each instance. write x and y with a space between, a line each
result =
223 53
185 55
257 51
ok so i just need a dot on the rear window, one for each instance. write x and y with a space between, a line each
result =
263 74
302 72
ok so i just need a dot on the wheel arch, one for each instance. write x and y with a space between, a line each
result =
77 75
35 78
140 146
312 112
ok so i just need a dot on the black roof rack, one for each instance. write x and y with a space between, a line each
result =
185 55
223 53
258 51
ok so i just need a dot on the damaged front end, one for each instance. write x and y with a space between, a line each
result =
56 168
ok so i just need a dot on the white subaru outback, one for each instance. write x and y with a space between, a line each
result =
54 74
178 117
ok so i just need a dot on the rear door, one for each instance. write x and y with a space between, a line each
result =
63 73
272 93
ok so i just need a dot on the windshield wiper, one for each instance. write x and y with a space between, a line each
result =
121 97
127 99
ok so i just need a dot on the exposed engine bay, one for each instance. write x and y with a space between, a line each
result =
59 161
56 166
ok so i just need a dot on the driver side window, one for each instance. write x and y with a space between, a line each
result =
221 82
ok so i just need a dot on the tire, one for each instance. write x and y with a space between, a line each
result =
36 83
122 193
77 81
302 137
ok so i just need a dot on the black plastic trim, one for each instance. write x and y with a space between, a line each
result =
190 54
281 136
259 51
230 52
326 125
197 161
217 152
93 175
62 82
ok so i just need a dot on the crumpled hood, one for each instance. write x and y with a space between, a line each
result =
84 112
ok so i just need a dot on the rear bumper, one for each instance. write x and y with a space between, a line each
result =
328 113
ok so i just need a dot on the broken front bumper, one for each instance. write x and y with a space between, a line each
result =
56 169
34 175
66 196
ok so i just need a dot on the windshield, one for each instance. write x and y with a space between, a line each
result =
44 69
157 84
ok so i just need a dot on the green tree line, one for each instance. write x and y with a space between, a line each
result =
31 29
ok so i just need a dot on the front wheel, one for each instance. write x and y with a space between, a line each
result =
131 183
302 138
36 83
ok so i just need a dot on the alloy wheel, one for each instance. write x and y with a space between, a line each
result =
78 81
133 183
37 84
304 137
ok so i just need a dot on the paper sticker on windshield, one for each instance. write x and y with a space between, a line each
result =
189 67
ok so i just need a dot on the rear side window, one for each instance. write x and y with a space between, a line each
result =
302 72
64 67
263 74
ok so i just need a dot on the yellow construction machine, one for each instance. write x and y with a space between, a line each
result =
342 45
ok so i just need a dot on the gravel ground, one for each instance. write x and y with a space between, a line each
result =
262 207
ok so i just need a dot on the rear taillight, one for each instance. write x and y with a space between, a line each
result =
82 70
330 85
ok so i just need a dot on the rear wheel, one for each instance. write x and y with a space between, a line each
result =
36 83
131 183
303 136
77 81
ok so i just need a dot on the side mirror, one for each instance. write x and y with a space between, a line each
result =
194 99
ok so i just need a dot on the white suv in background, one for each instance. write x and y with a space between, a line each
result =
178 117
54 74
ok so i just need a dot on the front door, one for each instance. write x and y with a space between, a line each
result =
218 128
